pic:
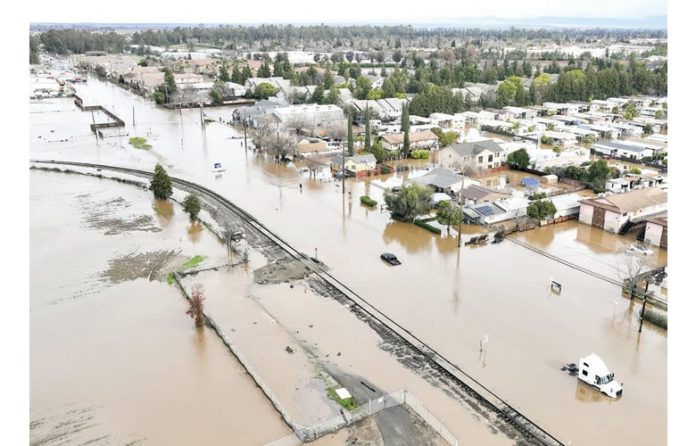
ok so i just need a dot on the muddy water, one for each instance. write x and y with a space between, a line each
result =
448 297
589 247
119 362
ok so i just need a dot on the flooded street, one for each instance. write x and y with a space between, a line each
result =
114 358
447 296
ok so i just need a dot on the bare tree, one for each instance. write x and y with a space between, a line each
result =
263 136
336 131
634 268
196 305
297 123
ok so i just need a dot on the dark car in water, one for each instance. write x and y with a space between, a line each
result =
390 258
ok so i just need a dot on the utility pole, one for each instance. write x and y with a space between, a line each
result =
645 299
246 123
134 116
461 202
343 170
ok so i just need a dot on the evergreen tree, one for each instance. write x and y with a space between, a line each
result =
161 184
405 128
350 133
192 206
317 95
368 136
224 74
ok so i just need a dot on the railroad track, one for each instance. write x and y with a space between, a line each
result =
531 430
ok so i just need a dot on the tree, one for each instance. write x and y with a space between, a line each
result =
634 268
406 128
217 93
317 95
224 74
161 184
169 81
350 133
368 136
34 50
410 202
598 170
448 214
648 129
659 114
192 206
445 138
541 209
519 159
264 90
196 305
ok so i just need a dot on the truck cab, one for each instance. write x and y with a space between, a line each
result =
593 371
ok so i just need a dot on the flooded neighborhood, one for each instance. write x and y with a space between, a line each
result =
321 251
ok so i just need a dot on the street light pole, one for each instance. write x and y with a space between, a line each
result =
645 299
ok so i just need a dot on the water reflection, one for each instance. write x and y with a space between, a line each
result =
409 236
588 394
164 209
194 231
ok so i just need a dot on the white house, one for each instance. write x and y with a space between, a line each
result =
656 230
612 212
622 149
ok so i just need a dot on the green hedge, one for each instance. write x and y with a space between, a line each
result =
658 318
367 201
420 154
424 224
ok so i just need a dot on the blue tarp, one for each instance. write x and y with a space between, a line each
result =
530 182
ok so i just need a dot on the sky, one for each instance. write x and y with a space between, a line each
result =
348 11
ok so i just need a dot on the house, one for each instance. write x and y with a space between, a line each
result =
543 158
485 154
236 89
656 230
358 165
417 140
612 212
521 113
312 148
497 211
632 181
566 205
476 194
622 149
445 180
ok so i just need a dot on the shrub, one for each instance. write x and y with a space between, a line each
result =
541 209
139 143
658 318
420 154
367 201
424 224
192 206
537 195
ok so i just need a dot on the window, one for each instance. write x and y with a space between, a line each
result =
480 159
490 158
584 372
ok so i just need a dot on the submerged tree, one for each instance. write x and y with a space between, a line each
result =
161 184
192 206
409 202
196 305
448 214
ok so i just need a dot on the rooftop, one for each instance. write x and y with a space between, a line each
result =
630 201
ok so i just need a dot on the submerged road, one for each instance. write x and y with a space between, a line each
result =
505 411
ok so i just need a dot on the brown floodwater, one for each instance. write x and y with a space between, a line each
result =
448 297
121 363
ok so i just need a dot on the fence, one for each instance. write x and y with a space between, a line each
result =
372 407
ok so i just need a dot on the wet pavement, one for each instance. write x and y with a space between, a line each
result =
449 297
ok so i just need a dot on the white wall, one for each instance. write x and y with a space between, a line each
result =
586 212
653 234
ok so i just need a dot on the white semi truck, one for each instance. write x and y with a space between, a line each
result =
595 372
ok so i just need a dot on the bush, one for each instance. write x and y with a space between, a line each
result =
367 201
192 206
537 195
424 224
139 143
541 209
658 318
420 154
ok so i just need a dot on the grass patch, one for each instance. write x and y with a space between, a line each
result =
193 262
139 143
170 279
424 224
367 201
348 403
658 318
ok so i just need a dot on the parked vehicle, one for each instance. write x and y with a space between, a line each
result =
593 371
217 167
390 258
637 249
